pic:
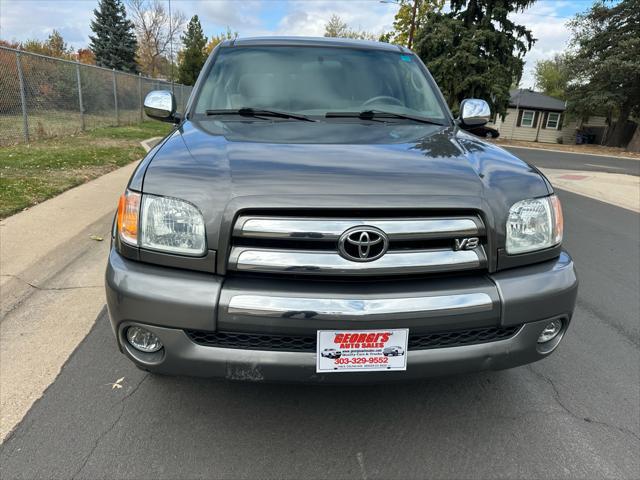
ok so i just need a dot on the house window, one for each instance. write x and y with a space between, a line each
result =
527 118
553 120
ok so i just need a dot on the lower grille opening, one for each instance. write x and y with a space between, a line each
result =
307 343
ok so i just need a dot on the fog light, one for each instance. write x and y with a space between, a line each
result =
143 340
551 331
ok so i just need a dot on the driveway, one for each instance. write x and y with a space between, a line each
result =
572 415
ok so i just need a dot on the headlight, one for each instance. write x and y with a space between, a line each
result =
534 224
166 224
171 225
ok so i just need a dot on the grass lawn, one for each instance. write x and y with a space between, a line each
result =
30 174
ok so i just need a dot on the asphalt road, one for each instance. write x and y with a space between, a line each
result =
572 415
573 161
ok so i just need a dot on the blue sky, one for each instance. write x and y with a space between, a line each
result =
24 19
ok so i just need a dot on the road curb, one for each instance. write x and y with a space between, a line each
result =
53 257
616 189
149 143
503 145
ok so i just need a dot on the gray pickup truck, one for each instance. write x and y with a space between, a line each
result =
318 185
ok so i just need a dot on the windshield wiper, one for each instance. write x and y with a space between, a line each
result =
371 114
259 112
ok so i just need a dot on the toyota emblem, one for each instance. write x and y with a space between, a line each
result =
363 244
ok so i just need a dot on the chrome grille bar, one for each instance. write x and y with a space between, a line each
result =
332 228
330 263
344 308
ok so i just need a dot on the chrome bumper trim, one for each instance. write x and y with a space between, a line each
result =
332 228
324 262
342 308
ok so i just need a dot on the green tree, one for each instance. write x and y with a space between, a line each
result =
475 49
605 64
385 37
114 41
57 46
338 28
552 76
192 56
217 39
412 12
53 46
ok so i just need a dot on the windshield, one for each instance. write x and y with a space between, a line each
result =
317 80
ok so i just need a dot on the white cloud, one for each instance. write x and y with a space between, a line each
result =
309 18
237 15
22 20
551 31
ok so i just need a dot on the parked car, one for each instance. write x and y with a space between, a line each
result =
331 353
394 351
323 184
484 131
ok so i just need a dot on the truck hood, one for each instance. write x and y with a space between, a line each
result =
225 167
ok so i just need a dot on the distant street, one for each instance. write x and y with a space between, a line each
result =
573 161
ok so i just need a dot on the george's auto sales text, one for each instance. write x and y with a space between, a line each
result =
361 350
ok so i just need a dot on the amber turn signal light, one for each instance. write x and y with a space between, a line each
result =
128 214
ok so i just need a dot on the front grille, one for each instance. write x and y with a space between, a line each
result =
307 343
460 337
252 341
316 245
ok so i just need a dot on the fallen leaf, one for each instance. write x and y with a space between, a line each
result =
97 238
117 384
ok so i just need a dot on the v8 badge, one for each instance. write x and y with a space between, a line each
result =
466 243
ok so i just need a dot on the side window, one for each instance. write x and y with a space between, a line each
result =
527 118
553 120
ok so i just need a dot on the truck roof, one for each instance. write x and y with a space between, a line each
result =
313 41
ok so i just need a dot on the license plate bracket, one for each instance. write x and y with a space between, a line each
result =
362 350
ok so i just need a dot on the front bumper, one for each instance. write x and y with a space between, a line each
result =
168 301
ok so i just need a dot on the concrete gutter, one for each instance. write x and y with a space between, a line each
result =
556 150
615 188
52 259
149 143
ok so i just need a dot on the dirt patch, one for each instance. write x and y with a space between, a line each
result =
32 173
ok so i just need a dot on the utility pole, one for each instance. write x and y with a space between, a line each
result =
171 44
414 13
413 23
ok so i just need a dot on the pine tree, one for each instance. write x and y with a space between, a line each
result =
193 56
476 50
114 44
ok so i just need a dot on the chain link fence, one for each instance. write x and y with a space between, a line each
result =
43 96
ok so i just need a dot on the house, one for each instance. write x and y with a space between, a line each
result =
535 117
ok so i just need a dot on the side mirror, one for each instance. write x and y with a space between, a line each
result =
160 105
474 112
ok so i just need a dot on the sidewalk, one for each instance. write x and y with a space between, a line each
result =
51 279
596 150
614 188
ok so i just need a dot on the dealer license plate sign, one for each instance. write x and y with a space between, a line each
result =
362 350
